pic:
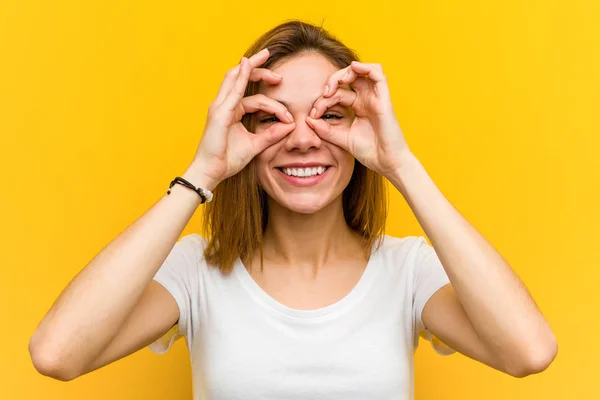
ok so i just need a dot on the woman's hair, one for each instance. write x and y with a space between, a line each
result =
235 220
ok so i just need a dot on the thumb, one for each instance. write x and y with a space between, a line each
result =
270 136
327 132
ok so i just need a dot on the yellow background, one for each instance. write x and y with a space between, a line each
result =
103 103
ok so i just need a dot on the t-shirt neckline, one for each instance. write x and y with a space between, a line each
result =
330 311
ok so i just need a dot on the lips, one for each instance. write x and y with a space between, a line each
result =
289 171
303 181
304 165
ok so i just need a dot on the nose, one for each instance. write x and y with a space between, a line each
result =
303 137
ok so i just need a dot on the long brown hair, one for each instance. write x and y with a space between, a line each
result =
235 220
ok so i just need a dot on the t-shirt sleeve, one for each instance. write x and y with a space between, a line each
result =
179 275
429 277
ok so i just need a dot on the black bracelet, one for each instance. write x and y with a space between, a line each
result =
205 194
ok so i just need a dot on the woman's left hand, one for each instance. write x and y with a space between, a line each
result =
374 138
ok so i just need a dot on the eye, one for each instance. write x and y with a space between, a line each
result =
269 119
331 116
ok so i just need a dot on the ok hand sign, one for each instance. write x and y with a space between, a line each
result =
374 138
227 146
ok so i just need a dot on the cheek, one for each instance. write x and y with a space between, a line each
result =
343 156
262 162
344 161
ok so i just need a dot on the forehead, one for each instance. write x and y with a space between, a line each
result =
304 77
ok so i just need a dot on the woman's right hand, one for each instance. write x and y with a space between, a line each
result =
226 146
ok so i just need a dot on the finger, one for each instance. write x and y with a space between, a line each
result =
237 92
343 97
362 84
227 84
246 67
342 76
270 136
259 58
264 74
256 75
232 75
375 73
259 101
328 132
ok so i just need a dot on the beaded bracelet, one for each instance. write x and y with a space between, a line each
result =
205 194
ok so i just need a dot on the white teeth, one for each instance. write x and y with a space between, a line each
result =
304 172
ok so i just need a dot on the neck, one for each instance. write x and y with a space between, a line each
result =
308 240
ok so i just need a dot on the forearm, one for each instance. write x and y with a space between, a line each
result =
91 309
497 303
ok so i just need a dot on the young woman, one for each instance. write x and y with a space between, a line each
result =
294 291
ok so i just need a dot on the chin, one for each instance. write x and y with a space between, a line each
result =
303 204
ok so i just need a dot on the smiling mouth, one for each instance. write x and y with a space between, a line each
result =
304 172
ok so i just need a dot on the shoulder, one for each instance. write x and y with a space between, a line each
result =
193 244
397 252
193 241
405 245
188 251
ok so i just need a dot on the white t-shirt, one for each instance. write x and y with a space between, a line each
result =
244 344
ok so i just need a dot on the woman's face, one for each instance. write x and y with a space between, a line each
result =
304 77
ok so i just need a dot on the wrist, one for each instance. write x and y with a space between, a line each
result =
409 166
198 178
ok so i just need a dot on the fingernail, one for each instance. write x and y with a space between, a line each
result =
289 116
325 91
347 75
277 75
313 112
